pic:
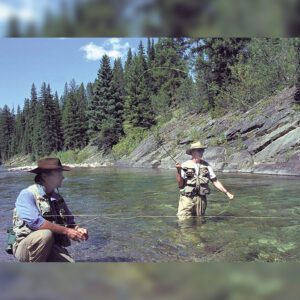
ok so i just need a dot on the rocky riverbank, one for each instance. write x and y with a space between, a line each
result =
263 140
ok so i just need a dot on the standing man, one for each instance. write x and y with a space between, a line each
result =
193 177
42 223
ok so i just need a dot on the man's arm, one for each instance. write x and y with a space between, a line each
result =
179 179
71 233
28 211
221 188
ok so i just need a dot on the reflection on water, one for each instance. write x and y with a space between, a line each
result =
131 216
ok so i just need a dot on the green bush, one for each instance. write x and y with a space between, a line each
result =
133 136
270 67
69 156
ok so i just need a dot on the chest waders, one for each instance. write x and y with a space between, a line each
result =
195 190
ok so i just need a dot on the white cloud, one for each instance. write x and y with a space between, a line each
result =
116 44
112 47
24 13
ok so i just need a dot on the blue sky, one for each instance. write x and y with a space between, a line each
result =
24 61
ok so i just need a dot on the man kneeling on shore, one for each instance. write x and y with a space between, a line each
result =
42 223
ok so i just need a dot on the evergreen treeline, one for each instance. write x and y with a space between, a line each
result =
192 75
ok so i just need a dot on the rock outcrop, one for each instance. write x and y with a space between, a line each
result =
265 139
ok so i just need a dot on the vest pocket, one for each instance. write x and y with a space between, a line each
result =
204 190
11 238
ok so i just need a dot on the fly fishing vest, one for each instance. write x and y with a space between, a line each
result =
195 185
52 211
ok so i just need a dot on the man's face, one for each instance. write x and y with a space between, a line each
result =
55 178
197 153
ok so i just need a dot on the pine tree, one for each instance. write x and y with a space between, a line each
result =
19 132
46 133
150 51
89 93
13 144
7 127
128 60
216 56
33 129
150 65
139 112
169 70
51 132
118 86
58 124
37 149
101 122
28 129
64 97
74 118
127 67
82 117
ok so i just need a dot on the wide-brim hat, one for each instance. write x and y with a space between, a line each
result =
49 164
195 146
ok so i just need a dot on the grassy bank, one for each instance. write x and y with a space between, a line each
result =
89 154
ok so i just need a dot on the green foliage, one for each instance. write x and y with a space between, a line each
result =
168 71
188 97
46 130
106 108
175 77
69 156
297 49
196 134
219 140
215 57
74 118
160 105
76 156
138 108
271 65
7 128
133 136
118 87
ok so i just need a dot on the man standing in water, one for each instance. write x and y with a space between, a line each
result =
42 223
193 177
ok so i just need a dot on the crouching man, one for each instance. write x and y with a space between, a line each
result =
42 223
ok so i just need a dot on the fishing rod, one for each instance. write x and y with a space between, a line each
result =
160 143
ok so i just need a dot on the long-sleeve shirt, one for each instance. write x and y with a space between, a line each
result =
28 211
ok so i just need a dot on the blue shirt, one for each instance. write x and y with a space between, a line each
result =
28 211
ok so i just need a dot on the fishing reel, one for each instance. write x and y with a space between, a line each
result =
190 172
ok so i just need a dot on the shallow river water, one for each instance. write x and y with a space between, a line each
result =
131 217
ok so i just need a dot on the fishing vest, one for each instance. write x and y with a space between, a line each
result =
195 185
52 211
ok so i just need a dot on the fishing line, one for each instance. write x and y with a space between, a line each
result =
121 217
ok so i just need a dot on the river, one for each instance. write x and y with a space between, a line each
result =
131 217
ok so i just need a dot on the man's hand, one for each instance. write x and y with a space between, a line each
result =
84 231
75 235
178 167
230 196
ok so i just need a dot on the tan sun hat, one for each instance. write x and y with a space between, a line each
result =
194 146
48 164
